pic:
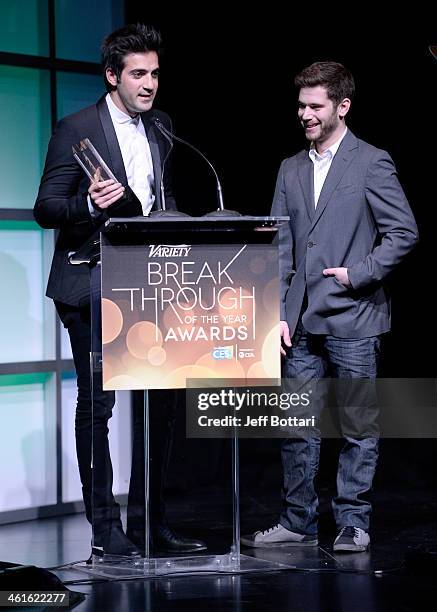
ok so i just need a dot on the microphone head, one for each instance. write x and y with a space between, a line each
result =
160 125
167 135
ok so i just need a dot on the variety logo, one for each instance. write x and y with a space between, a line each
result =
169 250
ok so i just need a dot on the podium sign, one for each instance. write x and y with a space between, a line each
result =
172 312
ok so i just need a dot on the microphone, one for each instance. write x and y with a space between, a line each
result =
170 137
163 212
161 184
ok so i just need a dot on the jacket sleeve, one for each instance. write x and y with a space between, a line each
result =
61 200
393 219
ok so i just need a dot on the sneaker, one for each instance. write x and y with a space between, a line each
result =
278 536
351 539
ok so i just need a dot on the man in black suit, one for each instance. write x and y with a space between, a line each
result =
121 127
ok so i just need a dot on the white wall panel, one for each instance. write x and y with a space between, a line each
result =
27 445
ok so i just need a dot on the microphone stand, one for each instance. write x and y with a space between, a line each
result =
221 211
163 212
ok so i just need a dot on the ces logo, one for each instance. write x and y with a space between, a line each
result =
223 352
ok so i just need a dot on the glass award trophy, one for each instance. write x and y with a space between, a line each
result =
91 161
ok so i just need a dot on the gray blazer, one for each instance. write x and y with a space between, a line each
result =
362 222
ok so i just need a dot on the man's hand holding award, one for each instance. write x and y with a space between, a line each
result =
104 188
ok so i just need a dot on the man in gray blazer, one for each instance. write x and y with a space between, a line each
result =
350 226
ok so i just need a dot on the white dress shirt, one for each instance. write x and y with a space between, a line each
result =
135 151
321 164
137 158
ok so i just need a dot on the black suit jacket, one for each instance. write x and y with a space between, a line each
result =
62 198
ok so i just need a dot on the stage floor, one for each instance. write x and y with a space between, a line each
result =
381 579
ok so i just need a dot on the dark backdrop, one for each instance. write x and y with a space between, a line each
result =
227 82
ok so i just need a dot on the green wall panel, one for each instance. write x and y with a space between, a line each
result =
24 27
93 19
75 91
25 130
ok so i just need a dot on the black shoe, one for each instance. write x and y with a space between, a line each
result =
166 540
114 542
163 539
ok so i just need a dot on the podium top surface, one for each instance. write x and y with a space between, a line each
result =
224 224
187 223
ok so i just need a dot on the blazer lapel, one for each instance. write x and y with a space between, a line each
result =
306 179
155 151
345 154
116 160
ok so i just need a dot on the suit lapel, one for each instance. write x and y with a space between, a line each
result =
116 161
156 153
306 179
345 154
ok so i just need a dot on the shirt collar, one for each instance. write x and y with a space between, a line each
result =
329 153
117 115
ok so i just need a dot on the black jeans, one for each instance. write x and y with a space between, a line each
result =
91 429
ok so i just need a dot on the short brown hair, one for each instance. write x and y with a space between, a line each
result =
337 80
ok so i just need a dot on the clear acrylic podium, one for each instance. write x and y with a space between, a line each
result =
116 256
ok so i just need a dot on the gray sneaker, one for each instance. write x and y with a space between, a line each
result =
278 536
351 539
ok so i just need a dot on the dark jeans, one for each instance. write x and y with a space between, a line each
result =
313 357
91 429
162 405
